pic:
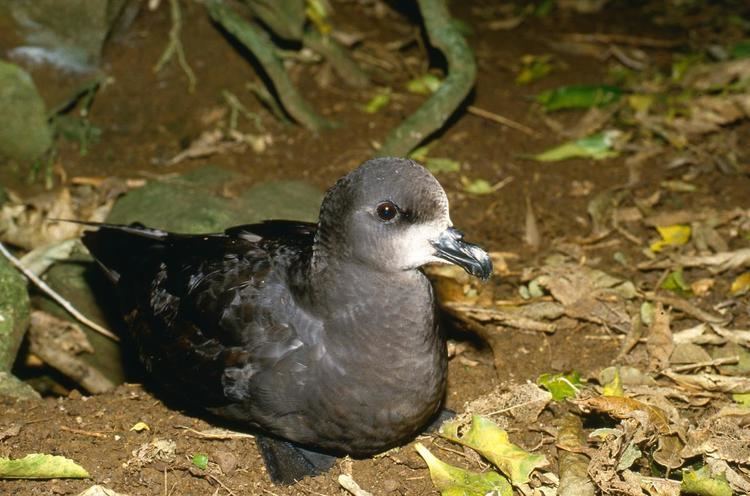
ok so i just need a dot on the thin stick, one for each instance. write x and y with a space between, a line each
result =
708 363
56 296
492 116
82 432
622 39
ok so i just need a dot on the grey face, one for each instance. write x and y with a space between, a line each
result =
396 219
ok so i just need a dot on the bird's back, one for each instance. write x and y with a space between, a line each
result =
198 305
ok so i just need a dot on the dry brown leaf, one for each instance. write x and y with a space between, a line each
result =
687 353
709 113
707 77
57 342
726 438
573 466
659 342
589 294
25 223
711 382
716 263
522 402
650 417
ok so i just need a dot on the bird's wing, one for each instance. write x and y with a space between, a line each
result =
200 305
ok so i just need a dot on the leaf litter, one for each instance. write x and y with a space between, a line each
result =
672 399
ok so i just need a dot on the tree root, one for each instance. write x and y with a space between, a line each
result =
174 47
347 69
437 109
258 43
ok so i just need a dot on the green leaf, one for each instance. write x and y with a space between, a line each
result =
200 460
40 466
424 85
533 67
578 96
420 154
438 164
700 482
742 398
740 50
675 282
492 443
454 481
597 146
562 386
614 387
477 186
377 102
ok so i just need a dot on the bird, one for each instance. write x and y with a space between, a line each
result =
322 338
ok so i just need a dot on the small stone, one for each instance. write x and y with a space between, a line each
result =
390 485
226 461
75 395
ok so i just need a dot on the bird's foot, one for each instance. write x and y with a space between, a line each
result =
288 463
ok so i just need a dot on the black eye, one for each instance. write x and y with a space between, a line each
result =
387 211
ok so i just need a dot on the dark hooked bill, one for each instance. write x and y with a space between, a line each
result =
451 247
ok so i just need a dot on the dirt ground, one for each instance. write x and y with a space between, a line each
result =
147 118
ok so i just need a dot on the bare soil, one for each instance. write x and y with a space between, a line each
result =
146 116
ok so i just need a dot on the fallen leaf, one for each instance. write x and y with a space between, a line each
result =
477 186
659 344
200 460
578 97
711 382
437 165
649 416
561 386
740 285
485 437
676 235
742 398
377 102
97 490
41 466
573 466
454 481
614 387
533 68
140 426
597 147
424 85
675 282
702 483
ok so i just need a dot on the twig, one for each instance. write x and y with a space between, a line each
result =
214 478
622 39
482 314
56 342
216 433
350 485
708 363
686 307
175 46
56 296
492 116
81 431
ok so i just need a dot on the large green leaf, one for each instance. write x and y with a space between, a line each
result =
492 443
40 466
454 481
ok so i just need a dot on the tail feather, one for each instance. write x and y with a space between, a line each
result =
119 248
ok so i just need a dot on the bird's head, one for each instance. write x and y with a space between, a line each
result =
392 215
